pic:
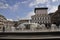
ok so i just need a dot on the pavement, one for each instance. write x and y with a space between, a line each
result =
29 37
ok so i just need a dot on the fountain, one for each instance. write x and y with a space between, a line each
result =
33 26
43 26
7 28
21 26
53 27
29 26
12 29
59 27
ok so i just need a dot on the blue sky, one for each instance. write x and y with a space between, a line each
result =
24 9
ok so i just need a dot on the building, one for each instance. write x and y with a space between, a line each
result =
6 24
15 23
41 16
40 10
23 21
55 17
2 20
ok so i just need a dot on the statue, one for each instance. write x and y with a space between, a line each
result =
53 27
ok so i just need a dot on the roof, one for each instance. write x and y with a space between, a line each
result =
57 11
24 19
2 16
40 8
50 14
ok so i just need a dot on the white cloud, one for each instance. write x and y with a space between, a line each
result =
3 6
28 16
54 0
6 5
36 6
41 1
25 1
36 2
10 19
14 7
52 8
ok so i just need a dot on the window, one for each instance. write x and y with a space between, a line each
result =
38 18
44 18
0 27
42 21
41 18
47 21
39 22
34 18
47 17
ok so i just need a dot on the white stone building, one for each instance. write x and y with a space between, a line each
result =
41 16
5 23
2 20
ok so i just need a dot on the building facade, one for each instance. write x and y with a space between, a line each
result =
8 24
23 21
55 17
2 20
5 24
41 16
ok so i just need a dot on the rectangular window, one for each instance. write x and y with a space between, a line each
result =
47 18
0 27
34 18
47 21
42 21
39 21
39 18
44 18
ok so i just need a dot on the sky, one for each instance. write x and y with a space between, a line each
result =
24 9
